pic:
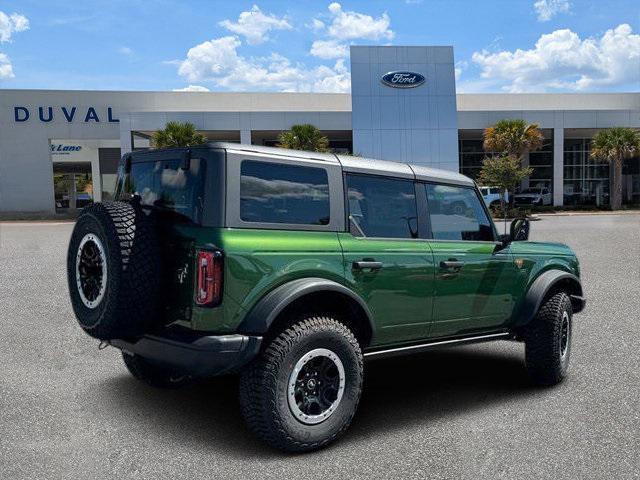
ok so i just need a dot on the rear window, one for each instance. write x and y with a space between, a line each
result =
279 193
165 185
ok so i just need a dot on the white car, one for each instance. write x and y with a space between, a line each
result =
537 196
491 196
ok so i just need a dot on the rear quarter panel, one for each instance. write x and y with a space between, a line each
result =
257 261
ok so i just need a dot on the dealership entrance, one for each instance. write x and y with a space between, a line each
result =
72 185
84 171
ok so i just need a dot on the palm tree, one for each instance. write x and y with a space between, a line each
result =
304 137
177 134
615 145
513 137
509 140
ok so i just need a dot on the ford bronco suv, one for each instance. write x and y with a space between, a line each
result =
292 268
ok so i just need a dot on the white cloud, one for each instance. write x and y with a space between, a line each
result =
354 25
125 51
547 9
217 61
6 70
10 24
561 60
347 26
254 25
192 88
210 59
460 66
328 49
316 25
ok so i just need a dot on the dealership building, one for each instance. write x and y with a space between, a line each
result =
59 149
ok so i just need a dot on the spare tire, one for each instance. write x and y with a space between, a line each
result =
113 270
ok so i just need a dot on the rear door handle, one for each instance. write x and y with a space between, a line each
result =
451 264
367 264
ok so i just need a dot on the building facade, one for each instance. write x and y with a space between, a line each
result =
59 149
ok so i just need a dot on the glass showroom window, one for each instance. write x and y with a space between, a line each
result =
471 157
542 163
586 182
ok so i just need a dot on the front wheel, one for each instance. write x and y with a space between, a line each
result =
303 391
548 340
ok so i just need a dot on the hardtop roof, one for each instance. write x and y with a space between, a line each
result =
350 163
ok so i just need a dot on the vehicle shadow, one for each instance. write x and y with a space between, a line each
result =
438 386
399 393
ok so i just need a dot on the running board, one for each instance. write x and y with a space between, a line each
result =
391 352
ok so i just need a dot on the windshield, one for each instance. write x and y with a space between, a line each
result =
531 190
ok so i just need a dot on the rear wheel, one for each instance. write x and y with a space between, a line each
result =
548 340
303 391
152 374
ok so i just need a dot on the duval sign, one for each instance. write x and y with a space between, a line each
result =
402 79
65 113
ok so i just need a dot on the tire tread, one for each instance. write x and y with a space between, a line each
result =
258 385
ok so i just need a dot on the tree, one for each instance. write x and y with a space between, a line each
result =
504 172
615 145
304 137
177 134
513 137
509 138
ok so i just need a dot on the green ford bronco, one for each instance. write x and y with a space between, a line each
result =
292 268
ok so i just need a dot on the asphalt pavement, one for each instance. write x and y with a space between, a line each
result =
68 410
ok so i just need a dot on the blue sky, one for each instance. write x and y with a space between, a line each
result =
500 46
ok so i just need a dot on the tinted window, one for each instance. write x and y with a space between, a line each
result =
382 207
165 185
278 193
457 214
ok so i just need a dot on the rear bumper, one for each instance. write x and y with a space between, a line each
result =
192 353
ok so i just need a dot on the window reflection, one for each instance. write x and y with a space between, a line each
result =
278 193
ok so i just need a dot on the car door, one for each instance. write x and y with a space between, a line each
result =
385 261
474 281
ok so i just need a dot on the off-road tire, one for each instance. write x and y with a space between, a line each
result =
264 385
545 362
128 306
152 374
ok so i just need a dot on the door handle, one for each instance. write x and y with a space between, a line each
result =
367 264
452 264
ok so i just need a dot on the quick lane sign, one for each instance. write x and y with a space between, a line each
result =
67 113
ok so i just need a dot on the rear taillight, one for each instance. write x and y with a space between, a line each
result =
209 282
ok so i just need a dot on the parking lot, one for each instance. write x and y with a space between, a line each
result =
68 410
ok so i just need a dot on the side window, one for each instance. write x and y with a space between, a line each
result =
382 207
457 214
279 193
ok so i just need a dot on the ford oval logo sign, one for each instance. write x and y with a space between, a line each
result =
403 79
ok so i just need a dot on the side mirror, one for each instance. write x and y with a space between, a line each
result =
519 230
